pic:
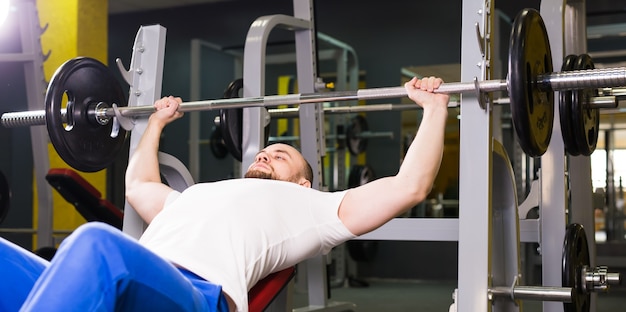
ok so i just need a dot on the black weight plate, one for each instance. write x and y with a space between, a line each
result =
356 144
532 109
359 175
565 110
231 120
218 148
5 197
575 256
81 142
233 89
585 120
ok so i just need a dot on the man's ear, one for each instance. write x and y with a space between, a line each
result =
304 182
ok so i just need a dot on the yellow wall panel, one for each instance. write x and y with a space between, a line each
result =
74 28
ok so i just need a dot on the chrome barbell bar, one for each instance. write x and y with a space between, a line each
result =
568 80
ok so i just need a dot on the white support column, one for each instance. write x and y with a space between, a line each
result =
474 169
312 141
553 192
581 189
145 77
30 32
195 60
254 79
579 167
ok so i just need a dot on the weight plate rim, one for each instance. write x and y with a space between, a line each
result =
524 21
584 144
358 175
218 148
575 234
231 120
232 131
565 110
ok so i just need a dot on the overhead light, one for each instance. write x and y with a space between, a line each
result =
4 10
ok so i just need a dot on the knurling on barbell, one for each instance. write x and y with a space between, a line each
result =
88 142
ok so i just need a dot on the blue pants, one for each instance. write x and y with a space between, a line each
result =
98 268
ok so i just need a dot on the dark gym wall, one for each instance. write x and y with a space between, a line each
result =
383 48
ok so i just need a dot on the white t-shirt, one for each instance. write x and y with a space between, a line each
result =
235 232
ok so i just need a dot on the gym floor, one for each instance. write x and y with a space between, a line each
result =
431 296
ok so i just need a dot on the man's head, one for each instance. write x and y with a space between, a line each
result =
281 162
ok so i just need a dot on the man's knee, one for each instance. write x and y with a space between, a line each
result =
96 228
93 234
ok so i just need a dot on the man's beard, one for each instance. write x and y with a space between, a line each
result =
258 174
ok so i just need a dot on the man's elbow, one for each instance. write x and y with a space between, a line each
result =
131 192
420 193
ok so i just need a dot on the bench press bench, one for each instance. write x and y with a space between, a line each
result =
84 197
89 203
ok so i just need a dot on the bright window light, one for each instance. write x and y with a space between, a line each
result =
4 10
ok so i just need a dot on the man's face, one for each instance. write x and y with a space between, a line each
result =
278 162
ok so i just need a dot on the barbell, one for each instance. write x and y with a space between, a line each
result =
85 138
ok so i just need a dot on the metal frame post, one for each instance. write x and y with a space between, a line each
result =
553 191
145 77
475 179
312 140
579 168
30 32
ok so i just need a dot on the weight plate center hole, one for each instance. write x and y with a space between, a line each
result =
68 102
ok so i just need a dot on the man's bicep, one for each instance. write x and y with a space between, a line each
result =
369 206
148 199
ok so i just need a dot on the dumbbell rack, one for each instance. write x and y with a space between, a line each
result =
32 57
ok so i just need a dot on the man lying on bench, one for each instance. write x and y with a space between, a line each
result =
88 202
205 247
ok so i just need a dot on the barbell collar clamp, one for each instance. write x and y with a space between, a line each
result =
123 121
479 95
599 279
536 293
103 120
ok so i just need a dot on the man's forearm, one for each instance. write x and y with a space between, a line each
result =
143 165
422 160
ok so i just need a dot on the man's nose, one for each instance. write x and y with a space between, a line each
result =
262 157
